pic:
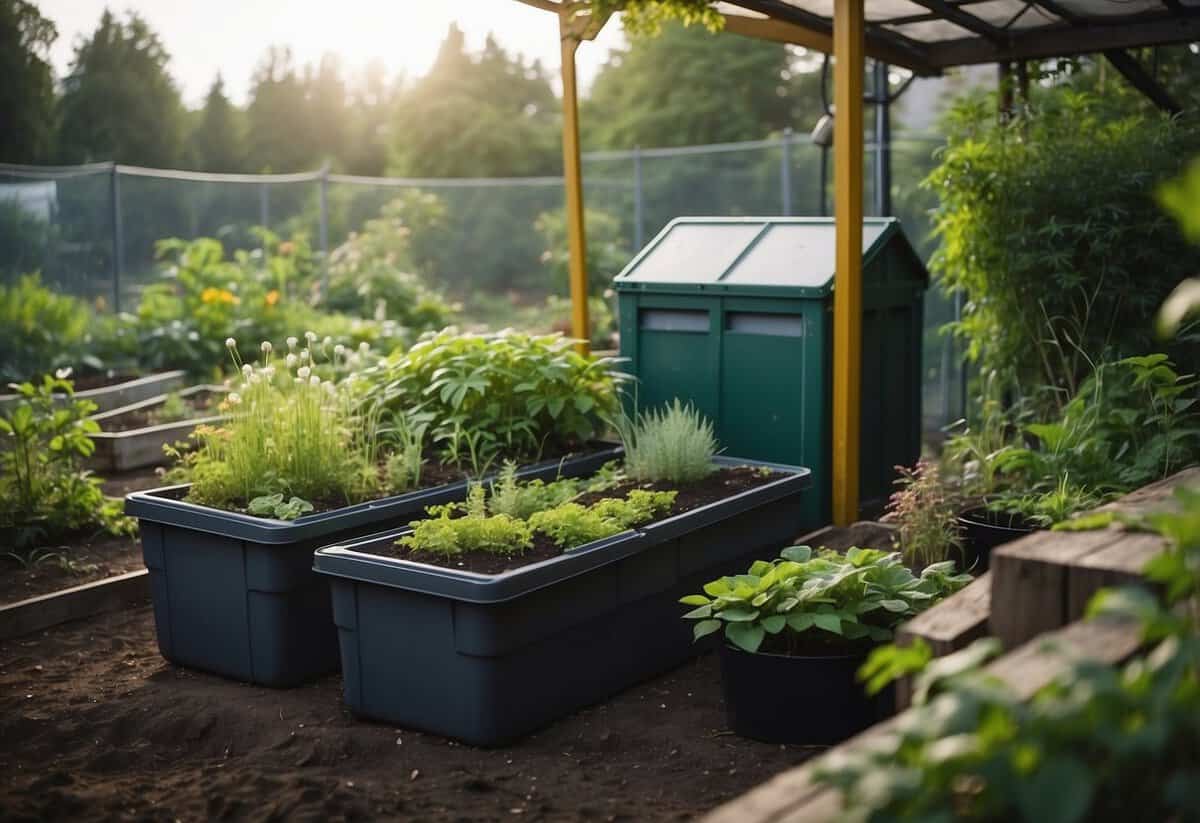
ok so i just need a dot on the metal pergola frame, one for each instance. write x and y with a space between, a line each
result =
851 38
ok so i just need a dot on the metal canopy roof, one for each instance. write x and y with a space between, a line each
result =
928 36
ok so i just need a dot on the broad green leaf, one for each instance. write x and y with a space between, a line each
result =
748 636
773 624
695 600
705 628
828 622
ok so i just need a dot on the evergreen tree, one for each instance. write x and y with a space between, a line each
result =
280 126
119 103
475 116
27 88
216 142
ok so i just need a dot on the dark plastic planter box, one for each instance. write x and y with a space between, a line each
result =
236 595
983 530
489 658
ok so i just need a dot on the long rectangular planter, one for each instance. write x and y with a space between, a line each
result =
118 451
489 658
111 397
236 595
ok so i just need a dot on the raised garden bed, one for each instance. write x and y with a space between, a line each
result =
133 436
487 658
235 594
109 393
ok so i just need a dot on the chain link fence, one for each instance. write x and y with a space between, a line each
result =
91 230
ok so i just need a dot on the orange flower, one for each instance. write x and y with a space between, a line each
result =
272 297
286 248
214 295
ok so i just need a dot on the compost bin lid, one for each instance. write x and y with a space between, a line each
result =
752 254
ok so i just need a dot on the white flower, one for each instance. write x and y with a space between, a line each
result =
266 346
247 370
63 373
291 361
230 343
310 336
268 372
339 350
364 347
327 342
297 380
234 398
255 379
292 341
329 387
303 372
314 380
304 355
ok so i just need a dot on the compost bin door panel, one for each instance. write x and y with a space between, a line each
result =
764 387
677 356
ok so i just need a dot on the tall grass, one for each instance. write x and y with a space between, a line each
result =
289 432
673 445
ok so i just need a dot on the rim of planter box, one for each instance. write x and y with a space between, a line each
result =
212 388
163 505
349 561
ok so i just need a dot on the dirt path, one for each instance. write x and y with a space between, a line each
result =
95 725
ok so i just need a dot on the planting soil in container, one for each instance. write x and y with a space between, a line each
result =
94 725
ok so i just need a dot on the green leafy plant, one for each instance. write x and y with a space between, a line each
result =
673 445
273 505
1132 422
571 524
925 511
827 598
372 274
504 523
405 435
40 330
44 491
1044 509
492 396
1048 228
1099 743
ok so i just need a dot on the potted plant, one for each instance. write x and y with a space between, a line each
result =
530 600
302 461
797 630
134 436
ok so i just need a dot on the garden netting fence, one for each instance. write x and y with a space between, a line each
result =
91 230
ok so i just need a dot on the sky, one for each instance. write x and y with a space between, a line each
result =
231 36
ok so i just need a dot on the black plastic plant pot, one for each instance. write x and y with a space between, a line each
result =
487 659
810 701
236 595
983 530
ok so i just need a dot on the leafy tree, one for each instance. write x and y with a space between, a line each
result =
688 85
326 106
1048 226
280 128
119 103
493 114
27 91
216 142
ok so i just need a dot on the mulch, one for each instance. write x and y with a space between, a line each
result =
95 725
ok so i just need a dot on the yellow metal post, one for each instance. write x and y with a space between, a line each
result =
573 180
847 284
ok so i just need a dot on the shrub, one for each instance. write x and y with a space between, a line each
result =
45 493
39 329
289 433
674 445
834 599
373 274
1048 226
498 395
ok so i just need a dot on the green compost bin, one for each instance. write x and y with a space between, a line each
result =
736 315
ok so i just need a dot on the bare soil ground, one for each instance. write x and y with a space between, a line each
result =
95 725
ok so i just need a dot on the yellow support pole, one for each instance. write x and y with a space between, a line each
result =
847 285
573 180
